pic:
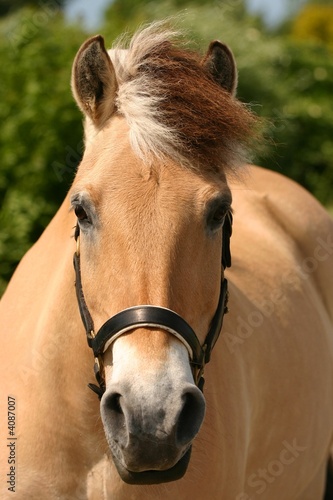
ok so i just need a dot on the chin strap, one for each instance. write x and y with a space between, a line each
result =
154 317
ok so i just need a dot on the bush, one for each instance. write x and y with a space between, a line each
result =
314 22
40 141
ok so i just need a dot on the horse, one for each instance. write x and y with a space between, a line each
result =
164 180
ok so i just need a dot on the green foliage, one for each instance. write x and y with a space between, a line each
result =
10 6
289 83
314 22
127 15
40 141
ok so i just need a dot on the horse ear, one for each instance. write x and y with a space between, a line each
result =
94 82
220 63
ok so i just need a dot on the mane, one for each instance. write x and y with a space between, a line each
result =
173 106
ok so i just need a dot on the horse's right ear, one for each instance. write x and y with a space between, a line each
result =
94 83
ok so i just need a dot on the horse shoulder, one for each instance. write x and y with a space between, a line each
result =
298 222
281 317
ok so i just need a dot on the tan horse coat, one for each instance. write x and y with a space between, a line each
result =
268 388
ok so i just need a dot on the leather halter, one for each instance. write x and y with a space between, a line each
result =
154 317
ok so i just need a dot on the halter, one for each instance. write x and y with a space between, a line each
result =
153 317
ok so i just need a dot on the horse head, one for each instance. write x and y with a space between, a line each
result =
151 200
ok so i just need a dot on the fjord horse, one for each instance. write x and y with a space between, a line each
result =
165 143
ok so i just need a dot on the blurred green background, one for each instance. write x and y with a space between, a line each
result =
285 73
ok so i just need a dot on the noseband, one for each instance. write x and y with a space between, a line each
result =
154 317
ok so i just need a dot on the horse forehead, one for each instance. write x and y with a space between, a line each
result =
114 175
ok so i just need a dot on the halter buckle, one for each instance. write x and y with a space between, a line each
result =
98 369
91 335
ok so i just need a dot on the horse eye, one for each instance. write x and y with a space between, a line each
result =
80 213
218 216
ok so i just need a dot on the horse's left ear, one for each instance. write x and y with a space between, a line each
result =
94 83
220 63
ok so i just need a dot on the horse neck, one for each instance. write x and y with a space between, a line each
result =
40 307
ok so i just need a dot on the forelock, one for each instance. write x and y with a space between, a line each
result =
173 106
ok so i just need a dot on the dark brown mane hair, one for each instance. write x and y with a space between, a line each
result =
209 127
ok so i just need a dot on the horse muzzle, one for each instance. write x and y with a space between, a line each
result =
154 476
150 435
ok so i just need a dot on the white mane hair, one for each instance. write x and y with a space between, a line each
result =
136 99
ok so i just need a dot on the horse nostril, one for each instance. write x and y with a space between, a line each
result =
191 415
113 416
113 403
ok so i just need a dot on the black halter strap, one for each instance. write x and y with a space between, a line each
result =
154 317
